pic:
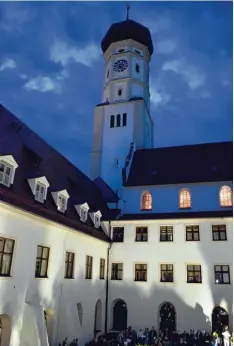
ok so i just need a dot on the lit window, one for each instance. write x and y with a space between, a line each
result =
62 203
185 199
40 192
146 201
6 255
5 173
225 196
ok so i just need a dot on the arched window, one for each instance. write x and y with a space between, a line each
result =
146 201
137 68
225 196
118 120
185 199
124 119
119 92
112 121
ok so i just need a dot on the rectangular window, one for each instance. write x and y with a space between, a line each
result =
118 234
167 273
222 274
40 192
166 233
192 233
117 271
6 254
124 119
102 269
62 203
69 265
219 232
42 261
140 272
141 234
89 267
5 173
194 274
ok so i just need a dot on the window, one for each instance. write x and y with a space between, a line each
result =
5 173
222 274
6 254
102 269
69 265
124 119
112 121
89 267
225 196
107 75
137 67
219 232
117 271
40 192
166 233
192 233
140 272
194 274
166 273
141 234
83 214
118 120
42 261
185 199
62 203
119 92
97 221
118 234
146 201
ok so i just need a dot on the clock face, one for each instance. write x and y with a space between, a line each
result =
120 65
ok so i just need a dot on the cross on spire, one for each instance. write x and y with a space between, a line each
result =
128 8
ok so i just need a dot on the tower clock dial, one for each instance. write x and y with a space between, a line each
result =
120 65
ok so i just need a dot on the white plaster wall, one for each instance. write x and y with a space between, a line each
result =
24 298
193 302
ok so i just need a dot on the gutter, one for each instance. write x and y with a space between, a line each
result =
107 279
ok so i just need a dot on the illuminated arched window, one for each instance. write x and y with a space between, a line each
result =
146 201
225 196
185 199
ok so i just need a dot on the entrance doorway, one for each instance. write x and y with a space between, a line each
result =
167 318
5 330
98 317
220 319
120 315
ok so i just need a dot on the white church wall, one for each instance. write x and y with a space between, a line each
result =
165 198
24 298
193 302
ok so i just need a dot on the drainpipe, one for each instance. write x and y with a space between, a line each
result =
107 279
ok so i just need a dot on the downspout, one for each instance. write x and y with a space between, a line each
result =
107 279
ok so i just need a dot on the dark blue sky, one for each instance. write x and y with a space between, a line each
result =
51 69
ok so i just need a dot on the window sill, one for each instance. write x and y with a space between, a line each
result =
140 280
2 276
166 241
116 279
41 277
141 241
166 282
189 282
101 278
193 240
219 240
68 278
88 278
222 283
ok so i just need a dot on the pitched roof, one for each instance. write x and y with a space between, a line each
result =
36 158
182 164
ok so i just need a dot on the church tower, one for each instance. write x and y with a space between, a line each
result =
122 122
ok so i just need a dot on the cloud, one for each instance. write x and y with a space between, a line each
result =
158 98
43 84
192 75
61 52
14 16
8 64
166 46
155 26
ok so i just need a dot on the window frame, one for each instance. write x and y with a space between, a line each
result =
8 254
221 272
183 204
194 271
167 270
64 198
102 269
38 183
193 232
140 271
41 258
119 239
219 232
115 273
146 199
167 229
89 268
142 231
67 262
6 166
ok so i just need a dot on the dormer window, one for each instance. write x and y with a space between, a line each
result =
7 169
60 199
96 217
40 192
82 210
62 203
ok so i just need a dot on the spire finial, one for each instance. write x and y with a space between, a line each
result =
128 8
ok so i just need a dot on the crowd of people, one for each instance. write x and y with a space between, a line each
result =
148 337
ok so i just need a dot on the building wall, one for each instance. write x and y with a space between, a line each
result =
165 198
193 302
23 297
